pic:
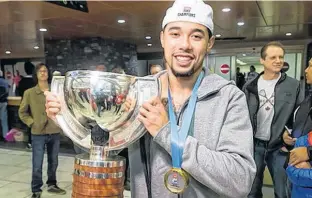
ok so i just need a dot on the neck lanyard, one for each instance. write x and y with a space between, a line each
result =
178 136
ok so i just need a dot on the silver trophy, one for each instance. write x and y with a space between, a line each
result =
111 102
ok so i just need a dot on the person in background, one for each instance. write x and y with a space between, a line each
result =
16 79
56 73
299 165
240 79
302 119
252 74
25 83
101 68
118 70
300 173
4 93
154 69
272 98
45 133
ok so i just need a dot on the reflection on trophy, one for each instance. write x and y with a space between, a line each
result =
110 101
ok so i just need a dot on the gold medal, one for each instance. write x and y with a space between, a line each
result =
176 180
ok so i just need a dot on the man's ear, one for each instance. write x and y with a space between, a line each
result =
210 43
162 38
261 61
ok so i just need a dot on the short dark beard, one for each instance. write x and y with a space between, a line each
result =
185 74
189 73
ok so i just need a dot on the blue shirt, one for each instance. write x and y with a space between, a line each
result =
4 83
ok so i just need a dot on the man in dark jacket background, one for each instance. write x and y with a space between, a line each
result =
240 78
272 98
27 82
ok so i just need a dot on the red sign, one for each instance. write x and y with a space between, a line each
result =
225 69
285 67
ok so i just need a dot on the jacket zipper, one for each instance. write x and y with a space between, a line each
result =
183 109
255 117
273 113
278 82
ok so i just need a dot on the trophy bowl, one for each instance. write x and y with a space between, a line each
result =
90 98
110 101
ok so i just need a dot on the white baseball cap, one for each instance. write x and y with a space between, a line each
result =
195 11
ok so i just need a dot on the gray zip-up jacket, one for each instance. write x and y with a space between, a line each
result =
286 100
218 155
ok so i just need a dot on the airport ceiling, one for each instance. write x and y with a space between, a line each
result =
20 22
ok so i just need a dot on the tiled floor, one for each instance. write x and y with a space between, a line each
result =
15 175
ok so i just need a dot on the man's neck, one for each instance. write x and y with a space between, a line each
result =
181 88
182 85
267 75
43 85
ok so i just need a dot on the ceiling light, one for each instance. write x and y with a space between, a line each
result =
149 45
226 10
148 37
8 52
240 23
244 54
121 21
36 47
288 34
218 35
17 12
43 29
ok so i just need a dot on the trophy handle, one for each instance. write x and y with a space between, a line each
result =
70 126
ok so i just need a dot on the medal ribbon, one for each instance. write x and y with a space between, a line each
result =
178 136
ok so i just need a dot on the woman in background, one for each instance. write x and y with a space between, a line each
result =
299 168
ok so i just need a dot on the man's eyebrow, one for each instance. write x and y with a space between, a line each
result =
198 30
174 28
193 30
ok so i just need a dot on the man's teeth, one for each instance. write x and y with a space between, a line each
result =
183 58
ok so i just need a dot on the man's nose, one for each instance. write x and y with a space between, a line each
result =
185 43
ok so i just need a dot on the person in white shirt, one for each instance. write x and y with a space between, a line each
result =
272 98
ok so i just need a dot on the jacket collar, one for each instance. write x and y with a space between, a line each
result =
253 85
38 90
211 83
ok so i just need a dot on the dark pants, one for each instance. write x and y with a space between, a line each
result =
109 106
118 106
275 161
39 142
29 135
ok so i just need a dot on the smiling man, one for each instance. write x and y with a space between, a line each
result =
272 98
194 144
209 112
